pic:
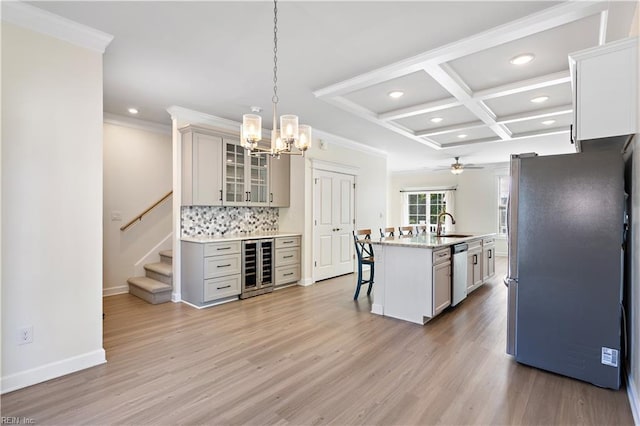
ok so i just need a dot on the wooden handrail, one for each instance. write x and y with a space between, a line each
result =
139 217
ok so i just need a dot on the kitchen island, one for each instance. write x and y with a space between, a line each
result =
413 273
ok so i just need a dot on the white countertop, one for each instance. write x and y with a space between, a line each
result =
203 239
429 240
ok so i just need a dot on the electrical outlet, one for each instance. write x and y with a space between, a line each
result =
25 335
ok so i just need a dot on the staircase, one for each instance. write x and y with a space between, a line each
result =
157 285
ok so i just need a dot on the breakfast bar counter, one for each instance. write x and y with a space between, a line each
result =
413 274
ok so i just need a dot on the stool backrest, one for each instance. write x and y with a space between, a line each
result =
421 229
405 230
362 240
386 232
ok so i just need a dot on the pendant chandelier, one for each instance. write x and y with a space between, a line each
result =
290 134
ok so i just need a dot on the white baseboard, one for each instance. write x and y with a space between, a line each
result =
51 371
285 286
176 297
112 291
305 282
632 394
221 302
376 309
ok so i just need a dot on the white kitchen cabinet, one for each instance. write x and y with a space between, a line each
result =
279 181
474 265
488 258
211 272
201 172
441 280
246 178
287 260
605 90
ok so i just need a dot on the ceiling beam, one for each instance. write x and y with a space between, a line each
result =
451 81
546 19
527 135
533 115
450 129
358 110
523 86
419 109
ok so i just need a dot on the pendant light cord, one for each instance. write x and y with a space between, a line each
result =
275 99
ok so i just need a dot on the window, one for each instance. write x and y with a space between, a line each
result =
424 208
503 197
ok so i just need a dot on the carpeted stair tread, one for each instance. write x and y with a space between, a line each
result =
166 253
149 284
160 268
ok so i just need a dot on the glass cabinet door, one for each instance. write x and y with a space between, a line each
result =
235 174
259 178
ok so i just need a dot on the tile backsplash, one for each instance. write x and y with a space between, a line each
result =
214 220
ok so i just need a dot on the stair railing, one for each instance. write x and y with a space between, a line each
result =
139 217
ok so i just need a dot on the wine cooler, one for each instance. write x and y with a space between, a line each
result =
257 267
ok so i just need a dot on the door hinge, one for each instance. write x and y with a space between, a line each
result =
315 180
354 221
315 263
315 222
354 186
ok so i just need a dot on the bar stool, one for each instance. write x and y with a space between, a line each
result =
386 232
364 251
405 230
421 229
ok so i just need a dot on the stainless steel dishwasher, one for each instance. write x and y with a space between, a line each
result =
459 284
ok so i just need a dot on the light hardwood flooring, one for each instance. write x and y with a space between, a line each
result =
311 355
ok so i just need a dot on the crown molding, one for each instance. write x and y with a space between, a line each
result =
136 123
348 143
39 20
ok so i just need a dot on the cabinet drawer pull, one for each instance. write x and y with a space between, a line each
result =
287 257
490 254
287 242
442 254
271 197
475 259
220 195
286 275
226 286
224 248
223 266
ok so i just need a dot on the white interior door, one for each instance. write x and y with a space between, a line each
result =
333 211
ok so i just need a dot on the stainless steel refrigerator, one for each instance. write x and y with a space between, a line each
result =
566 224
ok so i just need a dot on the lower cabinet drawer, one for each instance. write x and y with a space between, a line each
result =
288 256
219 266
287 274
217 288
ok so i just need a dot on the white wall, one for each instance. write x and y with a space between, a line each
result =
371 191
51 206
137 173
476 198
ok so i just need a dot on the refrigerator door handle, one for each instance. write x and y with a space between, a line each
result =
512 307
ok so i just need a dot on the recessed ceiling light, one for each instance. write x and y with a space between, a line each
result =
396 94
540 99
436 119
133 111
462 135
522 59
548 122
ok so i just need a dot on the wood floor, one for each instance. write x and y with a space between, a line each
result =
310 355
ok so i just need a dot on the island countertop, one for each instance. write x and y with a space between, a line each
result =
430 240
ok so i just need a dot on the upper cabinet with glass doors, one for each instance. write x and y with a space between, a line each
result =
246 178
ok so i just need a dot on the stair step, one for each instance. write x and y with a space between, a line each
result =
150 290
166 256
160 272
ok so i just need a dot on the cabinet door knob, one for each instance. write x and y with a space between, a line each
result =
221 195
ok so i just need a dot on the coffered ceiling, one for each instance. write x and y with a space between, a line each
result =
338 62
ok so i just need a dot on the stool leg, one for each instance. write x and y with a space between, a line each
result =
372 266
359 283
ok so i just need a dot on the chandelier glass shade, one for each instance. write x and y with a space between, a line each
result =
290 134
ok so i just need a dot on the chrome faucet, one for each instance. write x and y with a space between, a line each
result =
439 222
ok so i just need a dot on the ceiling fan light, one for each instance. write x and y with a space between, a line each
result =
456 170
522 59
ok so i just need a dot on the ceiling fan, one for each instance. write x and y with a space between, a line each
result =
458 167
